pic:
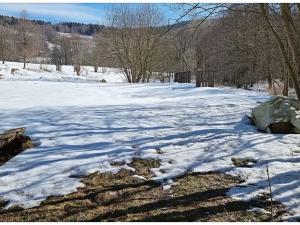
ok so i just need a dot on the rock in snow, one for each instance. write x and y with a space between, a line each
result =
278 115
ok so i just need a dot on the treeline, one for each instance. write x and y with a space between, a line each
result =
80 28
243 45
246 44
22 41
10 20
64 27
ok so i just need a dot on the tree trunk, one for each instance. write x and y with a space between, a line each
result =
291 69
3 58
285 91
293 40
269 78
58 67
77 69
24 62
292 31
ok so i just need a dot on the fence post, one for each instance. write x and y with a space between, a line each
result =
198 83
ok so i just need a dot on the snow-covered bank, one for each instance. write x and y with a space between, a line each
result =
82 127
45 72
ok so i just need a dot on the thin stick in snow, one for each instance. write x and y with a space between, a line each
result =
270 189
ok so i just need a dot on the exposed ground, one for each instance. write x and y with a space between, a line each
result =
125 197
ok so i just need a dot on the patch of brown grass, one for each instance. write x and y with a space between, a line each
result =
122 197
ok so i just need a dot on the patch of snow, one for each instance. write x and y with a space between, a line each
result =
45 72
139 177
50 45
82 126
62 34
258 210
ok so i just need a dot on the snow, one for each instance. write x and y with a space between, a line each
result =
68 35
83 125
50 45
259 210
139 177
46 72
64 34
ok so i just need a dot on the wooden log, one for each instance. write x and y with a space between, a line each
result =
13 142
10 135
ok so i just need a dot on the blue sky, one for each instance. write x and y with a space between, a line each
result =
80 12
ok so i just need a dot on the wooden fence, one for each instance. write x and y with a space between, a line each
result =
166 78
205 77
202 77
183 77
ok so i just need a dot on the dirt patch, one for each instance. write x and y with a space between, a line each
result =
125 197
243 162
143 166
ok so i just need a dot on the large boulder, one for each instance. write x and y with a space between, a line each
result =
278 115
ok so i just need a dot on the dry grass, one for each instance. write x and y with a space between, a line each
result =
121 197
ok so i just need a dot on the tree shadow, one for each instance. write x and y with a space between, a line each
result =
85 139
121 197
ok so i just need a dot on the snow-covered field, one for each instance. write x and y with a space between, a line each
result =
47 73
83 126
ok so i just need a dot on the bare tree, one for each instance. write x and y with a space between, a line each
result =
103 53
66 48
134 34
185 49
5 42
292 34
248 34
164 56
79 47
57 56
26 38
96 52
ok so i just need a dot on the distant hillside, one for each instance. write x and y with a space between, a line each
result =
10 20
64 27
178 24
73 27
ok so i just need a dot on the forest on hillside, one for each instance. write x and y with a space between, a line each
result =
243 44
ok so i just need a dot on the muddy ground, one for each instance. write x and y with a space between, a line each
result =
124 197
